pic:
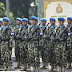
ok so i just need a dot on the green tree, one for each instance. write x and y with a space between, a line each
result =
3 13
2 10
20 8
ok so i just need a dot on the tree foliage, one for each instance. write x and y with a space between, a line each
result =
19 8
2 10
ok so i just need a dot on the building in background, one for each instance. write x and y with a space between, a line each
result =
55 8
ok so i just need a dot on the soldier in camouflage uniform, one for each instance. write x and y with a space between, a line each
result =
34 60
0 42
17 40
23 44
69 42
61 39
51 45
5 44
43 45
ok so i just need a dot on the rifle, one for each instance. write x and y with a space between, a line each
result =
48 37
24 33
43 30
58 37
53 31
45 27
61 33
15 35
32 33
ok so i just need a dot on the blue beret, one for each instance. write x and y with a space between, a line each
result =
6 19
69 18
19 19
34 17
43 19
53 19
61 19
25 19
1 21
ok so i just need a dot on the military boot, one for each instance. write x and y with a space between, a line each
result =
24 67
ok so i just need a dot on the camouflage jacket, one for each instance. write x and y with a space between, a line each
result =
35 35
50 32
42 33
61 34
24 33
17 33
69 34
6 33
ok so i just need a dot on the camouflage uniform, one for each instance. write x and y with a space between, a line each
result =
43 46
60 47
33 48
17 44
69 44
0 47
23 45
5 47
51 46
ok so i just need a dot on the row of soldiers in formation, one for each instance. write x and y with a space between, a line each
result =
52 43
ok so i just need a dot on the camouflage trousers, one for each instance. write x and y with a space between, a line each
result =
5 54
0 55
44 53
44 50
23 52
61 54
34 57
51 53
17 51
69 54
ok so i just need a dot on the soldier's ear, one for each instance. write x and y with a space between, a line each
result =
36 22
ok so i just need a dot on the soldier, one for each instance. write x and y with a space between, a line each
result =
69 42
23 44
43 46
61 39
17 41
34 60
0 41
5 44
51 45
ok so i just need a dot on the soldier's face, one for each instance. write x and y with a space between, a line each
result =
52 22
33 22
61 22
69 21
24 23
18 22
5 23
43 23
0 23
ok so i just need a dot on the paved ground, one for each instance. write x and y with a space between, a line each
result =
15 64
